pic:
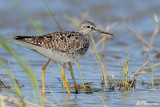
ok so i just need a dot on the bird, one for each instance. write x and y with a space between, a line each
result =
63 46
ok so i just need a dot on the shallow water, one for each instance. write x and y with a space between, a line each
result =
137 14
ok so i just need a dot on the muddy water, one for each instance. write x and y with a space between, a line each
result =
137 14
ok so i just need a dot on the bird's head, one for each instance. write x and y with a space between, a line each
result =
87 27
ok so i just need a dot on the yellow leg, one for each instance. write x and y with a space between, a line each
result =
43 76
64 80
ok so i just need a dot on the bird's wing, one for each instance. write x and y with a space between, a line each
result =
57 41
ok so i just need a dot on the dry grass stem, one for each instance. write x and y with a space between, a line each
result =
137 72
139 37
154 35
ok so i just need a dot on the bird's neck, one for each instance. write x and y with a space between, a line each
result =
84 33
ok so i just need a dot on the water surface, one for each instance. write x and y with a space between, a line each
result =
137 14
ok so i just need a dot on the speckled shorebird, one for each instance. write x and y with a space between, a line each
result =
65 46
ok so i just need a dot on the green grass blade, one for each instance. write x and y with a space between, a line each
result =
80 73
122 77
150 67
32 78
102 65
70 20
126 67
53 16
17 89
30 19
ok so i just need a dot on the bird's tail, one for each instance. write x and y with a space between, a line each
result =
20 38
29 40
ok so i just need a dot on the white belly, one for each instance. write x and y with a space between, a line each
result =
55 55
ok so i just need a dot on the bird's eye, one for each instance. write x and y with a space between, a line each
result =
88 26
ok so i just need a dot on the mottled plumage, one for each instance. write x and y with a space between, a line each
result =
62 46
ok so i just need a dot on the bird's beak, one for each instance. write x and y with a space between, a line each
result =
99 31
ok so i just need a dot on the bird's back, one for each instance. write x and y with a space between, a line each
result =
58 41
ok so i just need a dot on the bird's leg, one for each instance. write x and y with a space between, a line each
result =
64 80
43 76
71 70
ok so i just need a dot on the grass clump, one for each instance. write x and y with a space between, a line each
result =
28 71
126 82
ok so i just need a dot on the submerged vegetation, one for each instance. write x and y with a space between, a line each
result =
126 82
